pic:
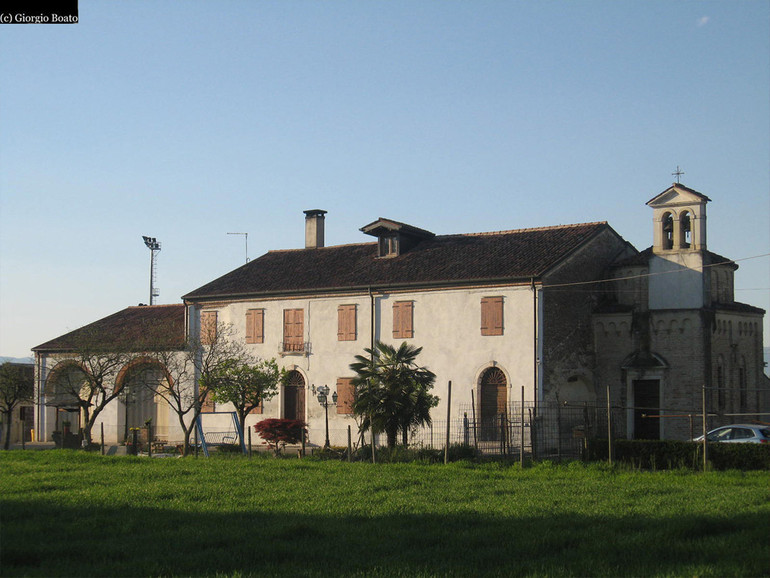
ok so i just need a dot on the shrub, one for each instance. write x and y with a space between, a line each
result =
739 456
668 454
279 432
401 454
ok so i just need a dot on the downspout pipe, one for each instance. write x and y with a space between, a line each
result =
534 345
371 320
39 404
371 341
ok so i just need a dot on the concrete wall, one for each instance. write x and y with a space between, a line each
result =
678 281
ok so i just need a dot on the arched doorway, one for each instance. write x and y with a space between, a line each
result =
138 386
493 403
294 396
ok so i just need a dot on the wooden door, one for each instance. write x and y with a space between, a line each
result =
294 397
493 403
646 403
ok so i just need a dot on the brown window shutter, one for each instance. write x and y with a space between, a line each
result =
403 317
492 316
293 329
259 326
345 394
255 322
208 327
346 323
299 325
258 410
341 323
397 322
250 326
409 319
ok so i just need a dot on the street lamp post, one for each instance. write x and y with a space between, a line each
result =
322 393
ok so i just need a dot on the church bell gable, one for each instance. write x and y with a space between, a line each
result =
679 217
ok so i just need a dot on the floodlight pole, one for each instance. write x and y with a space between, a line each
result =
154 246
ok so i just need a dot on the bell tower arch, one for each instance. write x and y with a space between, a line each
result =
679 218
678 279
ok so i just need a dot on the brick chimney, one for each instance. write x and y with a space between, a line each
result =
314 228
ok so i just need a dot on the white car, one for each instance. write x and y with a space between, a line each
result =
739 433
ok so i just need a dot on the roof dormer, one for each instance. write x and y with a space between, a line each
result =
679 216
395 238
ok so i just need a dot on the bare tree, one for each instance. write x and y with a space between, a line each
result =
87 377
191 370
16 386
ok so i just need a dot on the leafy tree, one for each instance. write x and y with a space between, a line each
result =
392 392
245 386
199 359
16 386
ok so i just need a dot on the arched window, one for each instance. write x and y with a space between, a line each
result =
721 397
742 384
668 231
685 229
726 296
715 295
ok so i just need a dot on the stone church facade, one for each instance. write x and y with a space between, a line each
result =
672 334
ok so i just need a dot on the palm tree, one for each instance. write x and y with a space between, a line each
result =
392 391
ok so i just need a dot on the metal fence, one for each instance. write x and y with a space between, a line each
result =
546 432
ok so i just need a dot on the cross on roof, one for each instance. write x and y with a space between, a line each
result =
679 172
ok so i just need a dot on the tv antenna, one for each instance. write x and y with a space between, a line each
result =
246 238
154 246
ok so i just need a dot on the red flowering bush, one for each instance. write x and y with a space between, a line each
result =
279 432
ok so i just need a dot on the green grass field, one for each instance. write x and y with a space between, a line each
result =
75 514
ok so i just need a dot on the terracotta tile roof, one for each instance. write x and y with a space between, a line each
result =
736 307
443 259
135 327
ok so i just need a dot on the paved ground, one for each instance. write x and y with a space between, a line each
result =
34 446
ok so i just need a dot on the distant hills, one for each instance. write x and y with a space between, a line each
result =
28 360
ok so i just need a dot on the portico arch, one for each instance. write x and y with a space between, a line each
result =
138 383
66 388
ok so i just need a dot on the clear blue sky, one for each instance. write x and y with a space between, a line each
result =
187 120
